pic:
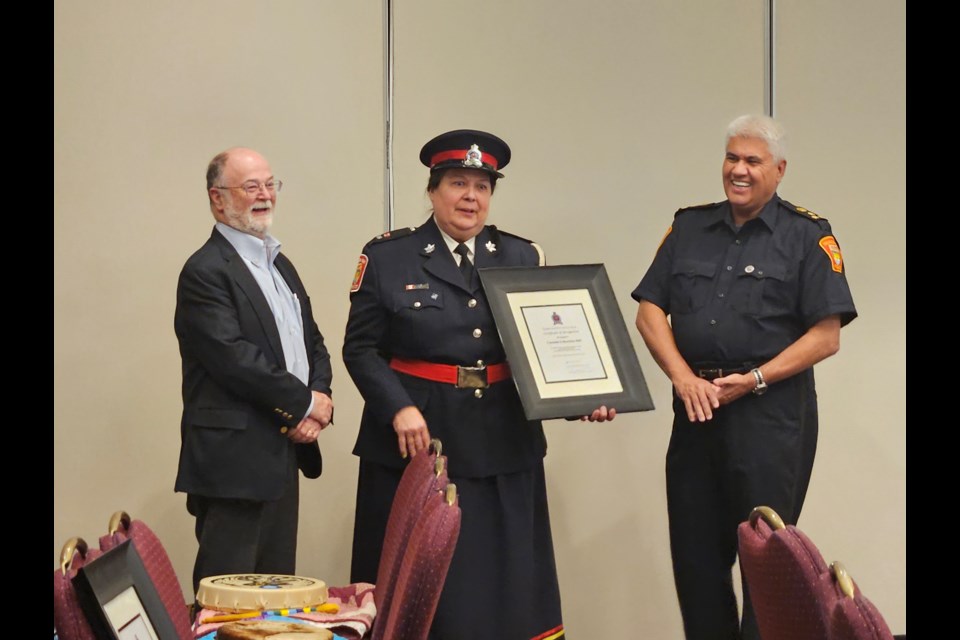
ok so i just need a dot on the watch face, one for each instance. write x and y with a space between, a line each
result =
263 581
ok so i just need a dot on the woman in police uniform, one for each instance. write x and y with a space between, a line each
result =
417 314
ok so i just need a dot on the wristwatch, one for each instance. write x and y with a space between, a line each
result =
761 387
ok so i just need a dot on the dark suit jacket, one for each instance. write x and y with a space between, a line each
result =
237 392
412 302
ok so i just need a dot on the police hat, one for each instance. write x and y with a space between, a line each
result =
467 149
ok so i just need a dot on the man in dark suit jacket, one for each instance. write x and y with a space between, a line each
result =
256 380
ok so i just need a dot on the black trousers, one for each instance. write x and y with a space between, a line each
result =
246 536
758 450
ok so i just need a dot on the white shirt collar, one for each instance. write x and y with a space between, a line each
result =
249 246
452 244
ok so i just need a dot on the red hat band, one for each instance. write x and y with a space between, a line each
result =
471 157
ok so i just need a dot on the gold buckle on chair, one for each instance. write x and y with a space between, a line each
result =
472 377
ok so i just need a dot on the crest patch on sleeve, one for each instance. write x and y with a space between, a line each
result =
358 275
832 249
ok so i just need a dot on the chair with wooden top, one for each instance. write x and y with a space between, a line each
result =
424 477
424 568
795 595
782 568
851 615
69 620
157 563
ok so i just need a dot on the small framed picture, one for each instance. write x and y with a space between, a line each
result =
119 598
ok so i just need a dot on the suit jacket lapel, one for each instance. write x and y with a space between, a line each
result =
245 280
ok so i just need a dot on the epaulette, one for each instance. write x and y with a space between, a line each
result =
494 233
806 213
696 207
393 235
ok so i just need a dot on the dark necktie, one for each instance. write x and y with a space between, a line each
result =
466 267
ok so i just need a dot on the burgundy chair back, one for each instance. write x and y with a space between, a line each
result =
851 615
424 477
424 568
157 563
68 618
782 569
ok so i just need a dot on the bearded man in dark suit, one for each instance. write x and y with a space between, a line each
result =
256 379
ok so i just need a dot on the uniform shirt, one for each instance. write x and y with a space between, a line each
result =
740 296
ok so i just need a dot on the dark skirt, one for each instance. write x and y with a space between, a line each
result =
502 582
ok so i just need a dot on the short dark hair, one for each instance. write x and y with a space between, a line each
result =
437 176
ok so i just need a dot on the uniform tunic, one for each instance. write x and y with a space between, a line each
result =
410 300
736 298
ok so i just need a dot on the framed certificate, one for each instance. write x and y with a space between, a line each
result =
119 598
565 339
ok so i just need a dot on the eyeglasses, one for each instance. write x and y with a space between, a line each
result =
252 188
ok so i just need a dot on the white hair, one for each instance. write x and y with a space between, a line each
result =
763 127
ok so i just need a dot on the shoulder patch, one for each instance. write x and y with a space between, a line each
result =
358 274
393 235
832 249
806 213
696 207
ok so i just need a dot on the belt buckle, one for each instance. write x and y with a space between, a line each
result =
710 374
472 377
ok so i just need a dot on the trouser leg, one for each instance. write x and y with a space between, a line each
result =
245 536
701 545
769 450
279 519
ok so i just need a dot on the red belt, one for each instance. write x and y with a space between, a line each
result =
479 377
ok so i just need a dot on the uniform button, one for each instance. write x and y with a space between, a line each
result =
472 303
416 305
720 295
737 241
478 393
713 322
477 333
480 363
729 268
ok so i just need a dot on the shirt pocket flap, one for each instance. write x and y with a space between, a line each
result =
694 268
423 299
759 272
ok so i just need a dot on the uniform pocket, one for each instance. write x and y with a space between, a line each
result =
418 300
690 284
760 289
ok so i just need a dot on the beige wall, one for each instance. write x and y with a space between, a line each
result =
842 94
615 113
